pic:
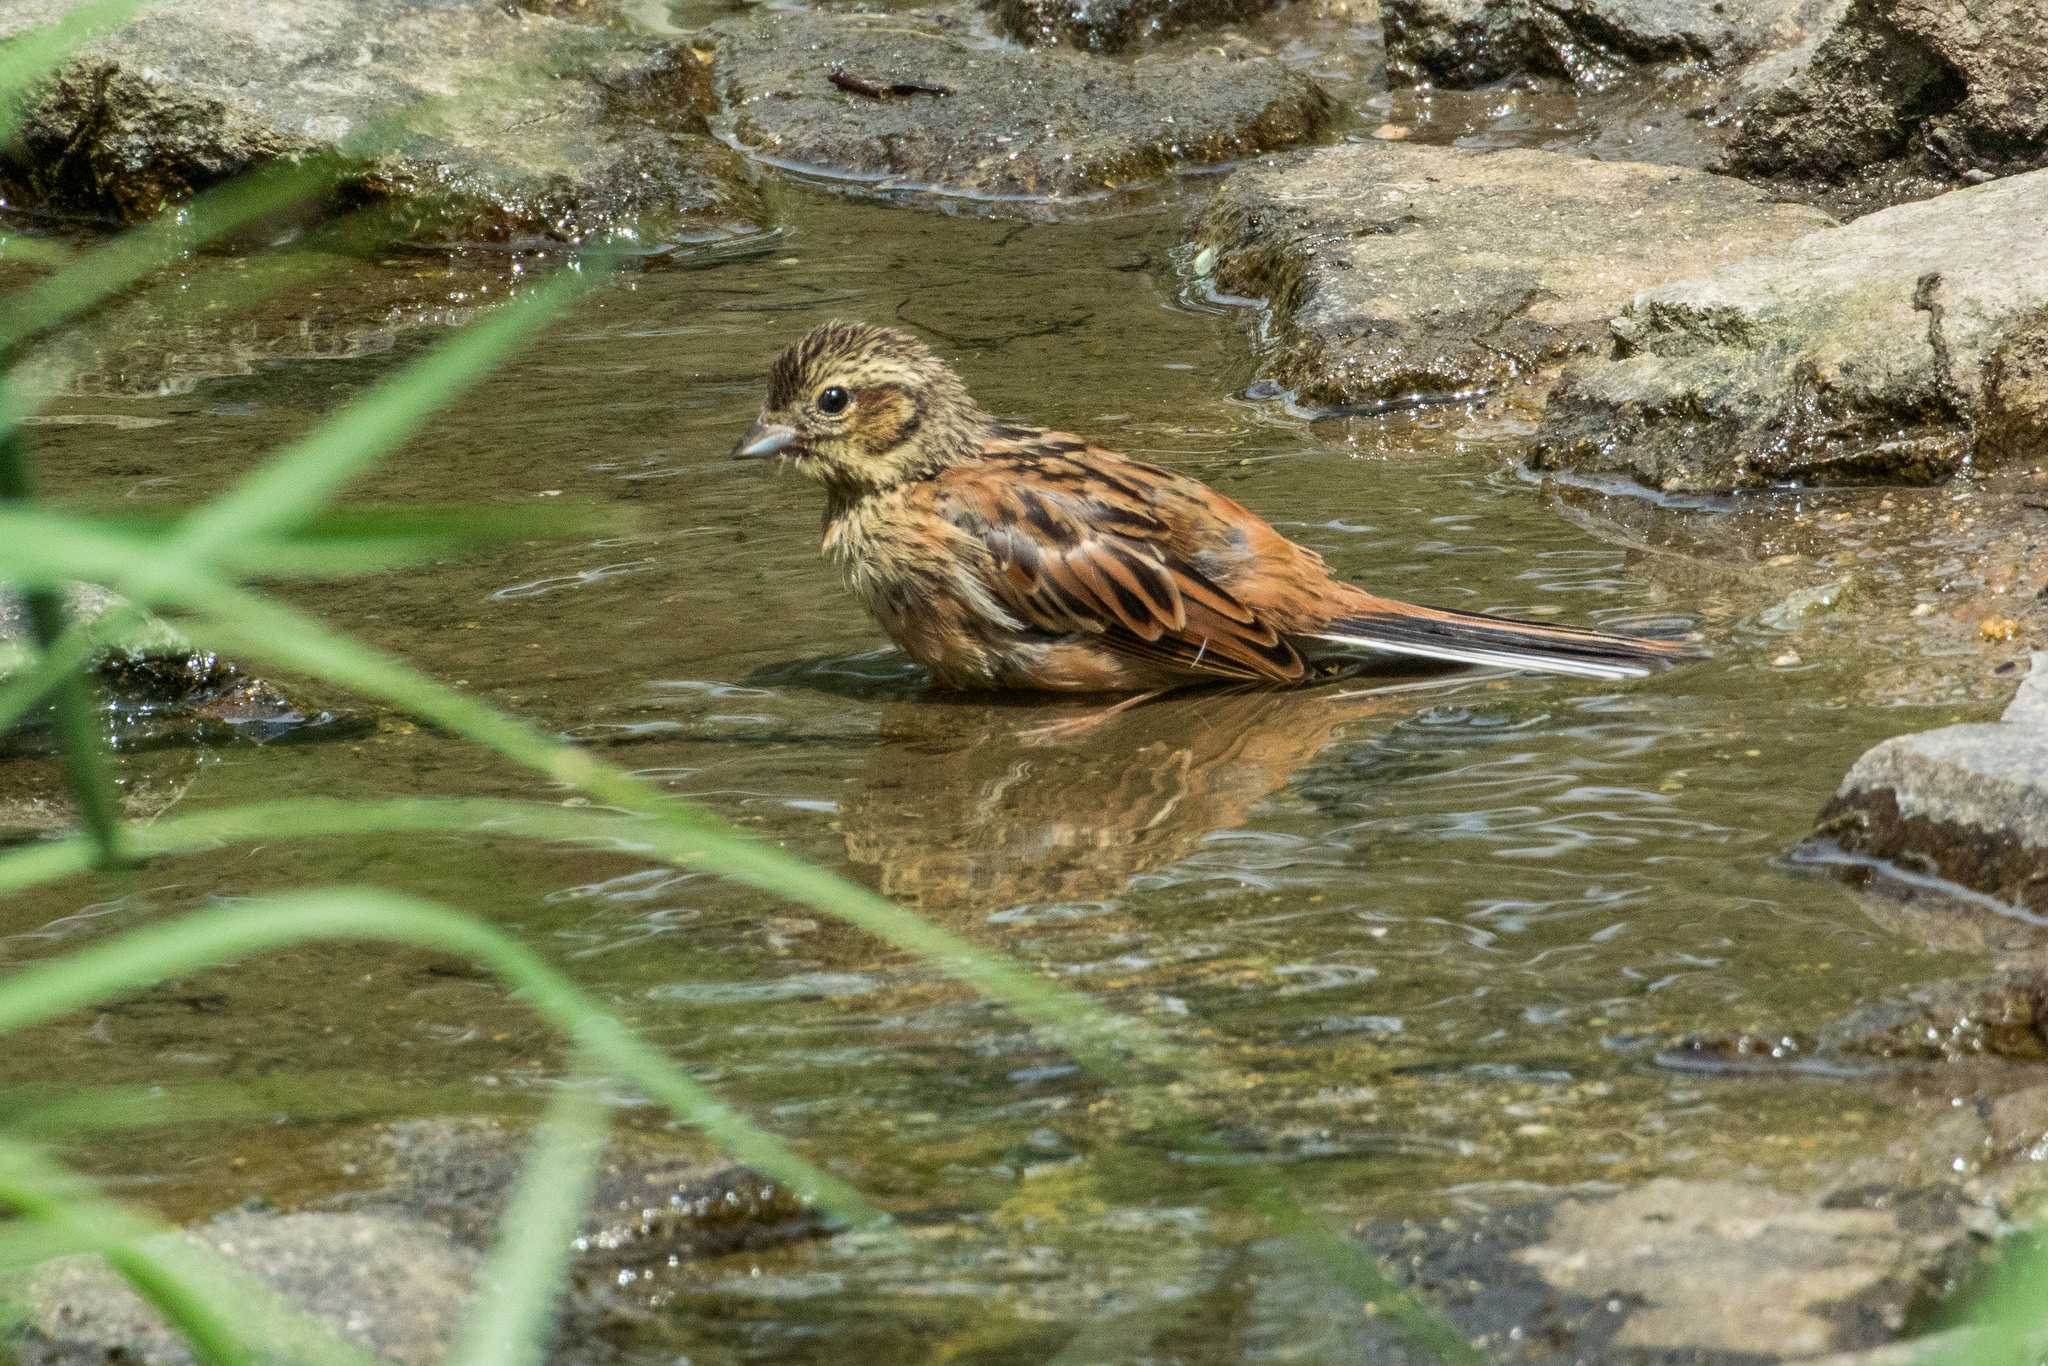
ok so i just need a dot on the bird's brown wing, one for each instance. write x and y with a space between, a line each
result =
1083 542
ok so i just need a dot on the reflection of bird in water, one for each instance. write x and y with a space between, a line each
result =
958 807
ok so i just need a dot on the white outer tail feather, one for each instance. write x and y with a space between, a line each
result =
1504 659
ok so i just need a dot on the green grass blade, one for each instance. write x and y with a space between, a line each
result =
773 871
31 250
292 487
80 735
299 480
256 627
253 626
2008 1323
104 271
190 1288
34 865
48 990
32 56
69 653
510 1321
39 1191
356 540
78 731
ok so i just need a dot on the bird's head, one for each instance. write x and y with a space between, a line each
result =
862 408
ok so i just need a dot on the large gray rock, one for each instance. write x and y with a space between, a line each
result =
1869 351
1396 273
1952 88
394 1287
1114 25
1729 1267
1965 803
1462 43
488 123
1036 128
1673 1271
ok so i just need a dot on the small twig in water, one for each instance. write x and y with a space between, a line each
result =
875 90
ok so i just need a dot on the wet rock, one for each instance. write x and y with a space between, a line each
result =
1674 1271
1010 129
1465 43
654 1202
2004 1017
1723 1267
1397 274
1967 804
2013 422
2018 1124
1955 89
1871 351
1114 25
393 1267
502 125
394 1287
160 690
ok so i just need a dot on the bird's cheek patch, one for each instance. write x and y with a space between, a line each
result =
885 417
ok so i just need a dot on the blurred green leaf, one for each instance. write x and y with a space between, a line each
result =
298 480
355 540
1066 1016
510 1321
43 1194
42 992
79 733
34 251
192 1288
101 272
2007 1323
286 490
254 627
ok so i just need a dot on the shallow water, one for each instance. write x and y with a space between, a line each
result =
1437 933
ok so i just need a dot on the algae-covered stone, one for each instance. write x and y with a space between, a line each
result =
1955 88
1398 273
1472 42
1114 25
1871 351
989 124
472 121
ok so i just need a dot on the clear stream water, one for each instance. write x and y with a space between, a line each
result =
1437 934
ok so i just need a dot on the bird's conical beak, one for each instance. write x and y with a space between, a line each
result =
764 439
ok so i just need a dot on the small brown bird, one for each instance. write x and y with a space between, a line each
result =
1003 556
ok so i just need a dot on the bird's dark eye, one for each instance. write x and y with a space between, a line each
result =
834 400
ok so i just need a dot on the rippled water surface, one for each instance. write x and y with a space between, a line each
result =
1435 933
